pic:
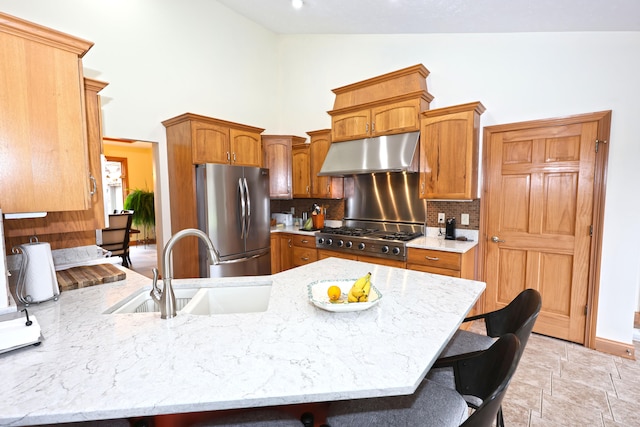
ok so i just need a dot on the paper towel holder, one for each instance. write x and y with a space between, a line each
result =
51 293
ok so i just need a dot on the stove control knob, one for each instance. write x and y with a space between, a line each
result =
329 242
385 249
321 240
361 246
396 251
348 244
340 243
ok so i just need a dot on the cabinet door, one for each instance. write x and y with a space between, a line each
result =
210 143
286 252
326 187
303 256
449 141
301 174
275 254
353 125
397 117
246 148
43 147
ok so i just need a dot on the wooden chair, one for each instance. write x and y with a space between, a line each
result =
484 375
115 238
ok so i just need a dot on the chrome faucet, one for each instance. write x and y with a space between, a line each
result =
166 298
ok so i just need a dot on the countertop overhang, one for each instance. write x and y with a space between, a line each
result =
93 366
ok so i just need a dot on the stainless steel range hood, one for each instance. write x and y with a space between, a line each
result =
388 153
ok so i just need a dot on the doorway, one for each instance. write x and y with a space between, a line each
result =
117 183
132 165
542 207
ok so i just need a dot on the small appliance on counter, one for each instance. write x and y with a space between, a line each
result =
37 280
283 218
450 230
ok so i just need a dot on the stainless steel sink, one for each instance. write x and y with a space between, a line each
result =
223 299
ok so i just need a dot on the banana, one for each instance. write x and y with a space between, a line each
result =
359 292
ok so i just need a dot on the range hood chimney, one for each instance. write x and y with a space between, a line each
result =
388 153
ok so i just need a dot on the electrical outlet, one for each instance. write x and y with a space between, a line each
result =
464 219
441 218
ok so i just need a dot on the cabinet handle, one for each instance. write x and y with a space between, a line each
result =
94 185
431 258
373 127
228 157
422 187
366 128
234 157
307 189
304 258
289 242
304 241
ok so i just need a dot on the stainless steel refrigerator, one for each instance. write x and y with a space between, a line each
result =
233 209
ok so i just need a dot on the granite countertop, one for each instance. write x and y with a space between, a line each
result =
92 365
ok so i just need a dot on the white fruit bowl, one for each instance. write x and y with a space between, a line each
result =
318 296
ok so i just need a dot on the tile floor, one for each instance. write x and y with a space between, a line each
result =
563 384
557 383
143 259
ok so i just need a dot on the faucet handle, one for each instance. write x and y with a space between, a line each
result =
155 290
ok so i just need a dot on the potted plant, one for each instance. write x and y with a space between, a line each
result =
142 204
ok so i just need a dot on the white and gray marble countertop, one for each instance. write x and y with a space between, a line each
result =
92 365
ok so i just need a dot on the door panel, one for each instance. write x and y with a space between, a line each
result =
540 186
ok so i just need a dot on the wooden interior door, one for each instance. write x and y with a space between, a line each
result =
540 198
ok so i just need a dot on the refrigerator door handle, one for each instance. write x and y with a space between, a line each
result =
236 260
243 209
248 199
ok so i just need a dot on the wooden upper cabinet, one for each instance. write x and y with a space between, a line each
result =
383 105
218 141
351 125
325 187
301 170
449 144
44 163
246 147
277 158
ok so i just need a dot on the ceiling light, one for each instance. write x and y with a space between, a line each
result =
297 4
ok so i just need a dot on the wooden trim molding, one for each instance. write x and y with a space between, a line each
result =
616 348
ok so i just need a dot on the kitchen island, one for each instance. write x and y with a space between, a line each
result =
92 365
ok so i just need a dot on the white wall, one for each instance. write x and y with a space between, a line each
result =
517 77
163 58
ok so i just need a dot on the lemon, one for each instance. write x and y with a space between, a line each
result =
334 293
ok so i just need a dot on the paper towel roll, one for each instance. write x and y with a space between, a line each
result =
38 273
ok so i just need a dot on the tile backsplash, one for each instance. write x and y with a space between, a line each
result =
335 210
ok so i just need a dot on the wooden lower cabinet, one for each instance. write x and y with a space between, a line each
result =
286 252
452 264
275 254
304 250
322 254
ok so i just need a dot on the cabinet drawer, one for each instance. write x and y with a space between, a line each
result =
302 256
434 270
304 241
437 259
